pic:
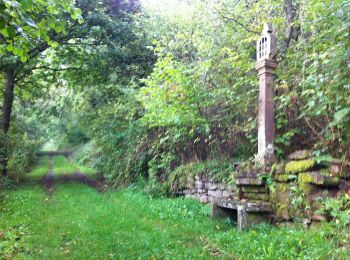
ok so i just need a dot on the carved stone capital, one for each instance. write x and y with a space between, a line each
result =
266 66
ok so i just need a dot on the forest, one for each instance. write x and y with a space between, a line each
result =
113 111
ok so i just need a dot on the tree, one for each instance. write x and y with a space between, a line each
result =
27 29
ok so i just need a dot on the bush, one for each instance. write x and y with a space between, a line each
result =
217 170
21 154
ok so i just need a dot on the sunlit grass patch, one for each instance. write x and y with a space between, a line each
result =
63 165
87 170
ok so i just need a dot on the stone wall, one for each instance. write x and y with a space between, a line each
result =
296 187
205 189
302 183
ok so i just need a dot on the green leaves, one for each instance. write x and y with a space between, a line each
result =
341 114
26 23
27 4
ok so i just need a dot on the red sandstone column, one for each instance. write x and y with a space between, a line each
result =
266 65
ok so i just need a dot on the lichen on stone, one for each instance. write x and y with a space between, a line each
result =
294 167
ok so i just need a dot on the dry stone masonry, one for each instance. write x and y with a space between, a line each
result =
298 186
303 182
205 189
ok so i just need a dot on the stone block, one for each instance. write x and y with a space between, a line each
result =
281 199
227 194
201 191
294 167
341 169
186 191
278 168
318 217
300 155
199 184
222 186
255 189
249 181
256 196
203 198
211 186
231 187
318 178
215 193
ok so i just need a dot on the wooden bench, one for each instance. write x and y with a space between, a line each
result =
244 213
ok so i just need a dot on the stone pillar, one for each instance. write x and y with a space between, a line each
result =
266 65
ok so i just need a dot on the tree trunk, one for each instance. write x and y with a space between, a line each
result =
6 117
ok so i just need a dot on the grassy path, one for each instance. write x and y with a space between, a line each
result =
77 222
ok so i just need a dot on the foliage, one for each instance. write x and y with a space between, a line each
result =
162 93
338 210
24 24
24 140
220 171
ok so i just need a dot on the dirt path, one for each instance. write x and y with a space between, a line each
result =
79 177
49 180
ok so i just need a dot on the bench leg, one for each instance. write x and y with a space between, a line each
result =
242 217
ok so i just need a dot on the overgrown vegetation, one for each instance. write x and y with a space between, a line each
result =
153 89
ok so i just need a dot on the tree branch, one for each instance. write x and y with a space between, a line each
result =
236 21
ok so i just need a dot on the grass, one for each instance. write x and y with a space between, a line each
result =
39 171
63 165
76 222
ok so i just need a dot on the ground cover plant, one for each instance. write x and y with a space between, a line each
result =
77 222
39 171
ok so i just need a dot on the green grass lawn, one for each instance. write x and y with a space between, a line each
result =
63 165
39 171
76 222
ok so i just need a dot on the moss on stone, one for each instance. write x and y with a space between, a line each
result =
318 178
307 188
299 166
256 196
278 168
254 189
282 201
305 177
